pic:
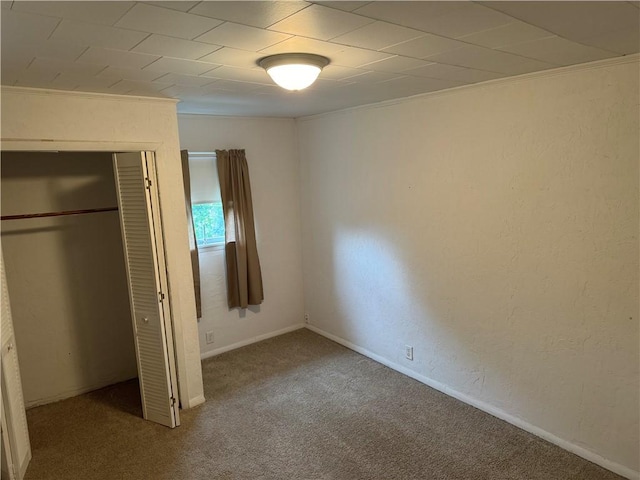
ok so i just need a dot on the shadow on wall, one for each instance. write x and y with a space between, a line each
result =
498 290
381 299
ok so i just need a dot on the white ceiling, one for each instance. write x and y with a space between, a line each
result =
205 53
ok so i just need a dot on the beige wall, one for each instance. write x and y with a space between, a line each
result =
495 229
274 173
48 119
66 275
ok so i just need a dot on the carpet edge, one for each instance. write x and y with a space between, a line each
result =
487 408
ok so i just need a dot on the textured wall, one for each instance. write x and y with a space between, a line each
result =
270 145
74 120
66 275
495 229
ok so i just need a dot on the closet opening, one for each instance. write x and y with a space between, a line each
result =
84 255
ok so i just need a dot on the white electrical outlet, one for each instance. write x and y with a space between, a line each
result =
209 337
408 352
306 318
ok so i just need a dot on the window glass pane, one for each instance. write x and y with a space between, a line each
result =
208 222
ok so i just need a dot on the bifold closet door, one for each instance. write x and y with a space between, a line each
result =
144 253
16 448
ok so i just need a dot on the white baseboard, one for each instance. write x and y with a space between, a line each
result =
490 409
194 402
249 341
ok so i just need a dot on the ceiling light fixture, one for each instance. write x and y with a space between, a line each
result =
294 71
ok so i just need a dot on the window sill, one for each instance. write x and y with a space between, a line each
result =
211 248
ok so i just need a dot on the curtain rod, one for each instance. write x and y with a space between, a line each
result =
58 214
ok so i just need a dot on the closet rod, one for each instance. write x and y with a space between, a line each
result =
59 214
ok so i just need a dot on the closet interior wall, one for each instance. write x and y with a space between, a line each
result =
66 274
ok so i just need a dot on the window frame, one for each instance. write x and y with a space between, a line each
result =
211 246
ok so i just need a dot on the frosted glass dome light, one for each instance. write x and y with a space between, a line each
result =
294 71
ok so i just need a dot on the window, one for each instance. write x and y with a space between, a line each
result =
208 221
206 204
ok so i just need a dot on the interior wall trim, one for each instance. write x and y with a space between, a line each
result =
77 94
487 408
249 341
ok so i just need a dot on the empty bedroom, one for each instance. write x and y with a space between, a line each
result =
345 240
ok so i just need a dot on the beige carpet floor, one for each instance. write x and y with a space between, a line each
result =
293 407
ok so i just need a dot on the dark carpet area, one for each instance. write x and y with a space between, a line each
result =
293 407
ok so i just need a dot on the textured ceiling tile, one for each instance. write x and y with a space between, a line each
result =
621 41
470 18
184 80
180 6
97 35
83 82
116 58
17 57
255 75
418 15
179 65
482 58
232 86
46 66
140 88
557 50
573 20
425 46
407 86
18 27
301 44
336 72
396 63
377 35
374 77
11 68
267 89
428 84
320 22
9 76
132 74
345 5
233 57
36 54
355 57
148 18
256 14
325 85
242 37
516 32
35 76
105 13
452 72
44 49
55 84
175 47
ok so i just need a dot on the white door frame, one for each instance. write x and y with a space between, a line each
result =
30 145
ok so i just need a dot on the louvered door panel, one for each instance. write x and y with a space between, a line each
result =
143 272
15 419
